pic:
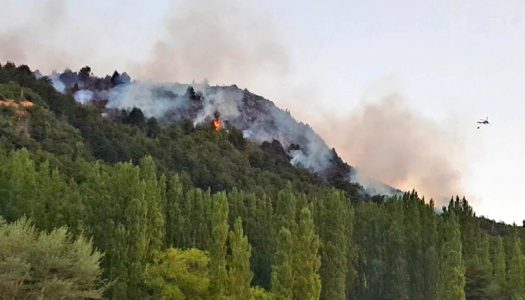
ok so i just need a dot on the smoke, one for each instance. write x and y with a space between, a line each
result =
224 101
57 83
224 41
83 96
392 144
32 35
258 118
153 100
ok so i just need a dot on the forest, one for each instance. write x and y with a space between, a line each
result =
95 207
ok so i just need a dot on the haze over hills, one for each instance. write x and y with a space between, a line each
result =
259 119
166 187
245 152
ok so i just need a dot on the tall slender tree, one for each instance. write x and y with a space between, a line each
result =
333 218
515 271
499 268
306 259
452 269
218 246
282 270
239 273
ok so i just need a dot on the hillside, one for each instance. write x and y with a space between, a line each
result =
260 120
261 209
59 125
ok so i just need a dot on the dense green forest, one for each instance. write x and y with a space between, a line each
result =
125 208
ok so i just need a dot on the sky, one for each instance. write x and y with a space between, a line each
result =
395 86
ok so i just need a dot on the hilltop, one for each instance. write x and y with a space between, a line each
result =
176 206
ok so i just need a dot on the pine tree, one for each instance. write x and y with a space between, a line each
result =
239 273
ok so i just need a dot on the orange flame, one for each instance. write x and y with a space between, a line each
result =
217 125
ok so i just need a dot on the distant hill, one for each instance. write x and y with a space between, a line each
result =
210 192
113 119
259 119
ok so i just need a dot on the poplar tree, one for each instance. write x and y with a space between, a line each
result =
412 224
334 218
515 270
282 270
239 273
498 263
174 219
430 268
396 277
306 259
218 247
154 197
452 269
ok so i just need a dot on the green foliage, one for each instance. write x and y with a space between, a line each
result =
165 203
219 221
306 260
515 284
40 265
452 270
282 270
179 274
397 268
13 91
498 262
334 220
239 274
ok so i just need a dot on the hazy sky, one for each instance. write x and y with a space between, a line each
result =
448 63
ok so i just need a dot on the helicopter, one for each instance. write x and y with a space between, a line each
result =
483 122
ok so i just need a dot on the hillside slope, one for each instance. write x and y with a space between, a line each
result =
172 199
205 158
259 119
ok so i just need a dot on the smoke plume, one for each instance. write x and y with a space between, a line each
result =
390 143
223 41
34 38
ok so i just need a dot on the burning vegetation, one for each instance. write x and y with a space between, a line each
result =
218 107
217 123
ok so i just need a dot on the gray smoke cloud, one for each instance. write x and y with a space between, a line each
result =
258 118
34 35
83 96
147 97
224 101
391 143
57 83
224 41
